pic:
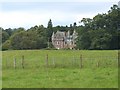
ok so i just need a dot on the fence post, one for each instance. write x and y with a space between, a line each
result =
98 64
73 60
53 62
47 60
22 62
118 65
14 63
6 63
81 65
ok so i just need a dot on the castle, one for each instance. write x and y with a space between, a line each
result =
62 40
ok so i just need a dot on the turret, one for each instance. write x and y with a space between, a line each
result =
68 34
74 34
53 36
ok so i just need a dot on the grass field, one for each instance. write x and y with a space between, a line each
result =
63 70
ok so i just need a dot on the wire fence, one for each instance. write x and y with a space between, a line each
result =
61 62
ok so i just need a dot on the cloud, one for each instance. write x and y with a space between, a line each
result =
14 15
17 19
59 0
20 19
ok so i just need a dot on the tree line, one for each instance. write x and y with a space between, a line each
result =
101 32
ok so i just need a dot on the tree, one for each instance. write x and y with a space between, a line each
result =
114 26
5 36
6 45
100 39
49 29
101 32
83 41
71 28
42 37
99 21
86 21
17 30
33 38
9 31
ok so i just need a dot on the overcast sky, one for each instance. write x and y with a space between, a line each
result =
27 14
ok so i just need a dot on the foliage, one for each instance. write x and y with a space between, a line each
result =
6 45
101 32
5 36
49 30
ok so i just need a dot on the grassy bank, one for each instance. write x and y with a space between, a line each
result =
63 69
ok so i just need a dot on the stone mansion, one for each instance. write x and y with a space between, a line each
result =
62 40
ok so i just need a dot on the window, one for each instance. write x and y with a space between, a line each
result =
57 43
65 42
71 42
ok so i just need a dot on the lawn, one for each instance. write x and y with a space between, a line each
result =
99 70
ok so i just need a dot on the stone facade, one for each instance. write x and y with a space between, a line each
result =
61 40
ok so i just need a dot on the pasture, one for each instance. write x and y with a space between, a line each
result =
60 69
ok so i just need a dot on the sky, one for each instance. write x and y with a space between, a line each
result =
28 13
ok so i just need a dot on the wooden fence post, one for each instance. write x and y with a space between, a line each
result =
118 65
14 63
53 62
22 62
81 65
6 63
47 60
98 64
73 61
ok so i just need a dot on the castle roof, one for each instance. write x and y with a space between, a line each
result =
59 34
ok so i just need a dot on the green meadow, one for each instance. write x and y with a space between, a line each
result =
62 69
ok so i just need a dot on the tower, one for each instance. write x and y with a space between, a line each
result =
74 34
52 38
68 34
53 35
119 4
